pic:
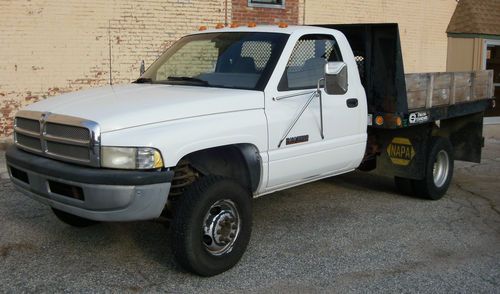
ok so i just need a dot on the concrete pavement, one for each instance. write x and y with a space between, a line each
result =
352 233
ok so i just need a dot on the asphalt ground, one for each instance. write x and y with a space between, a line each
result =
352 233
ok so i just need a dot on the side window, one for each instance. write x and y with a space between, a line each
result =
307 62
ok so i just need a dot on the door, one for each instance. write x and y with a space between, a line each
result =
297 149
492 61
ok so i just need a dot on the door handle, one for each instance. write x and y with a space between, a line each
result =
352 102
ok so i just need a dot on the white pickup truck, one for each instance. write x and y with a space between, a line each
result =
228 114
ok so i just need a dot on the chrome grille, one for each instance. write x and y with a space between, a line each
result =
29 142
69 151
57 136
28 124
70 132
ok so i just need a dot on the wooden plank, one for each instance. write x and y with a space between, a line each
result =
442 80
462 94
482 75
426 90
440 97
441 88
416 82
416 99
462 87
481 92
462 79
480 85
430 87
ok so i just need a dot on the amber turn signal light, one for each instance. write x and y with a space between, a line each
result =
379 120
399 122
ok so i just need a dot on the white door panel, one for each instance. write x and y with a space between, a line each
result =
344 140
298 161
290 165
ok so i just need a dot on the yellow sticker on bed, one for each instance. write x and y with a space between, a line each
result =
400 151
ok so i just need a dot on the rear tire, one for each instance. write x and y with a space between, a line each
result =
438 172
211 225
72 219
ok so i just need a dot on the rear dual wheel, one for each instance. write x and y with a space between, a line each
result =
438 172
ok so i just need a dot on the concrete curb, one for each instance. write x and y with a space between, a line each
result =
5 143
491 132
3 167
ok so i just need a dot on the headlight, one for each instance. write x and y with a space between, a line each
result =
131 158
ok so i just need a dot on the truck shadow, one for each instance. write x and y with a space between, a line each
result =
364 181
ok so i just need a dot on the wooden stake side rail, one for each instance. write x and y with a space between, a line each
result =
427 90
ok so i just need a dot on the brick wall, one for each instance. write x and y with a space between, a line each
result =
242 13
57 46
422 25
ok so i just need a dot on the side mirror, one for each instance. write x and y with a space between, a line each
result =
336 82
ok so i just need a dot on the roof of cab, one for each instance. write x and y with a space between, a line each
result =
267 29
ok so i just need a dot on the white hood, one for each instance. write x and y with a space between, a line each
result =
119 107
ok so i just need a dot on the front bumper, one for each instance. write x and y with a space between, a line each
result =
92 193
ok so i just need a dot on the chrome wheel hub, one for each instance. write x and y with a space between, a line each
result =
221 227
441 168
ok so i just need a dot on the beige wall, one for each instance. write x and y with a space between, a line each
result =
50 47
464 54
54 46
422 25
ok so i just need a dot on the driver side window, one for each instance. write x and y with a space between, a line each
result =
307 62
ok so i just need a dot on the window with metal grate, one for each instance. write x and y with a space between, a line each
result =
267 3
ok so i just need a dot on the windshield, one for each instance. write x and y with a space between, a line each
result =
240 60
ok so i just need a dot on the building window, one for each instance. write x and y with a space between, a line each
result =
267 3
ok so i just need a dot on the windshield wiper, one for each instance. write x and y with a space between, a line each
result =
188 79
143 81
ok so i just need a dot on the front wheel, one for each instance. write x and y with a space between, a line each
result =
211 226
439 170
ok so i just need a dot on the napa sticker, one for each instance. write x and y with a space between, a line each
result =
400 151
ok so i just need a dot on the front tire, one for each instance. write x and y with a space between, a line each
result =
439 170
211 226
